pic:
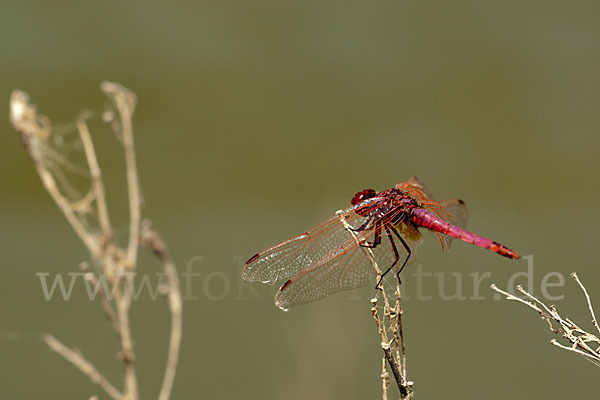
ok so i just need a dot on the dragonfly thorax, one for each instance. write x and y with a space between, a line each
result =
392 204
398 198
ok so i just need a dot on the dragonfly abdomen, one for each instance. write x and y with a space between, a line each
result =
427 219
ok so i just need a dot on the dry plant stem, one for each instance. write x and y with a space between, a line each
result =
553 342
393 316
96 176
25 119
578 337
399 378
399 333
152 240
83 365
34 131
125 101
68 211
104 302
589 302
385 380
132 184
123 301
100 246
116 264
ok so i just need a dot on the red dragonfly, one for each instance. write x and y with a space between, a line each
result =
328 259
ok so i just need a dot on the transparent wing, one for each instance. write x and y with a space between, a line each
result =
416 182
327 259
348 267
453 211
281 261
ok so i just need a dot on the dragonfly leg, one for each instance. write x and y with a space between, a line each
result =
363 226
407 250
389 235
376 240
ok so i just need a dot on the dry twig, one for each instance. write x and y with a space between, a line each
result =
581 341
75 358
152 240
113 261
389 327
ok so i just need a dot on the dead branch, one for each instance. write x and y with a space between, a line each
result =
79 361
104 302
581 341
113 261
388 325
152 240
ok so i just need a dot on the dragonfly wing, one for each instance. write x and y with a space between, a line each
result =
345 269
278 262
348 267
455 212
416 181
284 260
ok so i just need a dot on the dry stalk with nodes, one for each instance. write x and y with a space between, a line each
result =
111 260
581 341
389 327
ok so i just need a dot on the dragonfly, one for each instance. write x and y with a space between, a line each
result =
332 256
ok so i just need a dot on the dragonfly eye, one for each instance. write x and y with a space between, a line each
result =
363 195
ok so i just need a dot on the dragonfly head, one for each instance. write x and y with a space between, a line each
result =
363 195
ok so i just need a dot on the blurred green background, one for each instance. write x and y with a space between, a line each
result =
258 119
